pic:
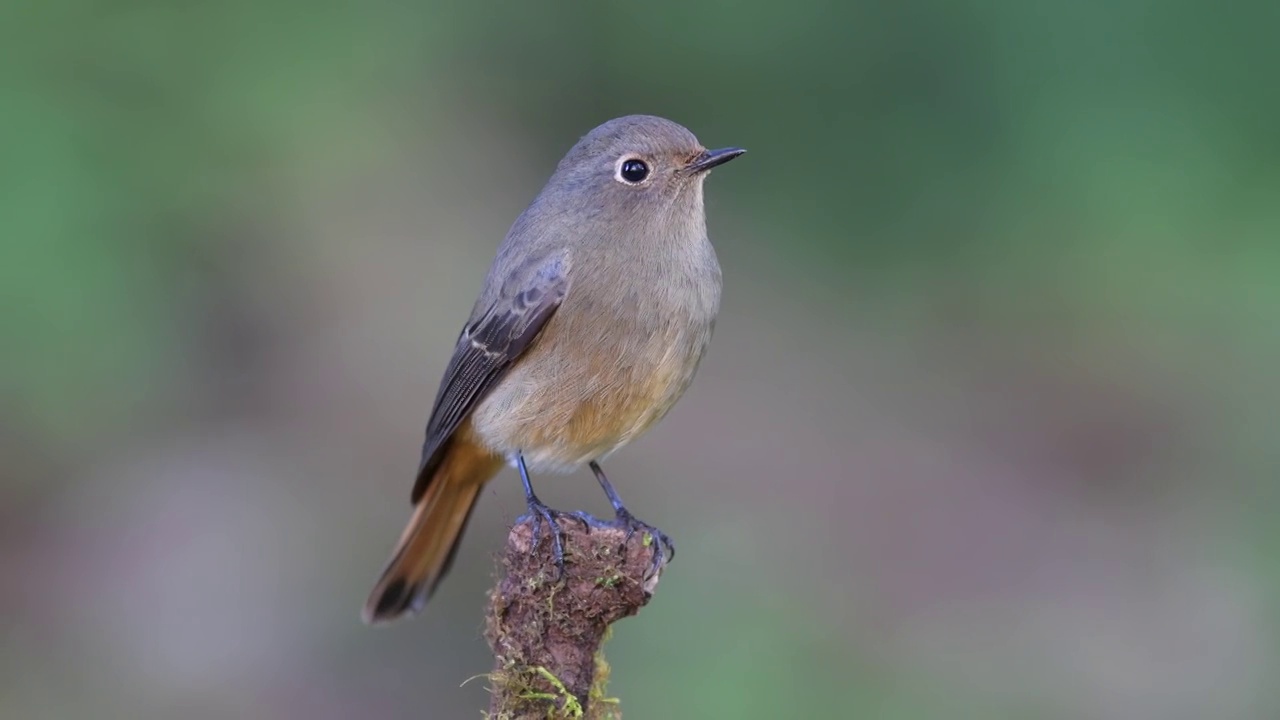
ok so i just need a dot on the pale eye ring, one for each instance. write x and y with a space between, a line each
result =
632 170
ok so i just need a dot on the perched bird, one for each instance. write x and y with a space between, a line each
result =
590 325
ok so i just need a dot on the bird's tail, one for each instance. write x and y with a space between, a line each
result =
428 544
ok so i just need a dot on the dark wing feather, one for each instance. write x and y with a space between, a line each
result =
486 349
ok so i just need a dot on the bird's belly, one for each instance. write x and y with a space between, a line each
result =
561 413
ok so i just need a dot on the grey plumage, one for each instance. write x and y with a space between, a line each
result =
590 325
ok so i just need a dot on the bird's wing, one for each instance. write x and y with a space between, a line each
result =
487 348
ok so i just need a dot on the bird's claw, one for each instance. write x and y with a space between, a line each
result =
664 550
539 513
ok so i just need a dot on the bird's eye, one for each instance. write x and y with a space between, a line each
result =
633 171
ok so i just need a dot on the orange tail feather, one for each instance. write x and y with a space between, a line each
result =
430 541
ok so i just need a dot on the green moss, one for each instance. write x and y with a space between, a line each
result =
602 706
566 700
524 684
609 580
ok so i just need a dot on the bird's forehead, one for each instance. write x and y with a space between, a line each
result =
639 133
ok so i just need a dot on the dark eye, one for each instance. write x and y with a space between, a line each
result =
633 170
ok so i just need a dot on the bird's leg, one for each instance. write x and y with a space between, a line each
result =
666 549
539 512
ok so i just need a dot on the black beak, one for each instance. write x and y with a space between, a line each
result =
711 158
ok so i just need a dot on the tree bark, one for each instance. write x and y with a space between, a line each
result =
546 631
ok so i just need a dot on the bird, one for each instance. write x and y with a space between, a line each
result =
592 320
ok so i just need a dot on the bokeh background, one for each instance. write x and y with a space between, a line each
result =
988 429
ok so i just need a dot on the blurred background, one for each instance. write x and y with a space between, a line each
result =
988 429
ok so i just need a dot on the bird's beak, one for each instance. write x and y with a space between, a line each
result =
711 158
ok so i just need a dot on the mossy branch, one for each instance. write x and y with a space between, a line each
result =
546 632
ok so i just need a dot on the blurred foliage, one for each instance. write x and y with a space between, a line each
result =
1064 183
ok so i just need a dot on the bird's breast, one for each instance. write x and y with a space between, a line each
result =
612 361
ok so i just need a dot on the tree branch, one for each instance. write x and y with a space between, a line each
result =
546 634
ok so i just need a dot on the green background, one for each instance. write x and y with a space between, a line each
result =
988 429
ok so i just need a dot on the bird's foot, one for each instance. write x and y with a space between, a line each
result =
664 550
540 513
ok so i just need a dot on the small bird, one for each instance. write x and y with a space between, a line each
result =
592 320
